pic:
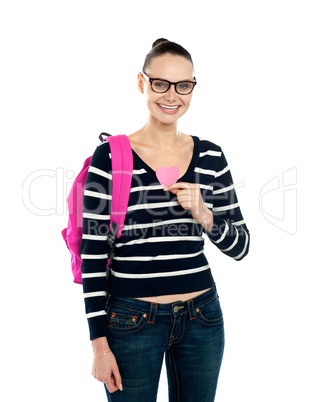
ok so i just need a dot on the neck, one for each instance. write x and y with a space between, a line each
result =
165 137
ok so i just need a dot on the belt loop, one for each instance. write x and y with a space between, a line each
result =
153 310
191 311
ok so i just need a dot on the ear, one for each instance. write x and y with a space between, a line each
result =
140 83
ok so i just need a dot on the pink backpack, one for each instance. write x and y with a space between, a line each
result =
122 169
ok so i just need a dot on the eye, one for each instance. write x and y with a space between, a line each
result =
184 85
160 84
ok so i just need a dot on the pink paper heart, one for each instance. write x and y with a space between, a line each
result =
167 176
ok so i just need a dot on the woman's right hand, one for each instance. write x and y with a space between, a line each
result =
105 369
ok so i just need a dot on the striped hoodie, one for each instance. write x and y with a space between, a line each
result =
161 249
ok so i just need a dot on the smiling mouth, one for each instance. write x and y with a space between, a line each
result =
169 108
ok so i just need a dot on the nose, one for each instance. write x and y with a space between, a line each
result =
171 93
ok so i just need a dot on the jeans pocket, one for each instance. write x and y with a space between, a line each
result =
123 319
210 313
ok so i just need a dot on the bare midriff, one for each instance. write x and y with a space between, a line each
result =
173 298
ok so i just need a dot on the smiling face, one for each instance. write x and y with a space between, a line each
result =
172 68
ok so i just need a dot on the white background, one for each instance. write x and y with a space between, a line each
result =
68 72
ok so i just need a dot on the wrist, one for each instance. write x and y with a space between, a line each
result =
102 354
100 345
208 221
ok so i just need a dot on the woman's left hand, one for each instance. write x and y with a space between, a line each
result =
189 196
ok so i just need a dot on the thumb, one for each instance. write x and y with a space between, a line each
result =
118 379
173 190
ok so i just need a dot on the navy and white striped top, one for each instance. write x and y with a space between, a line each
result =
161 249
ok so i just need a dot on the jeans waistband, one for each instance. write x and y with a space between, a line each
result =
164 308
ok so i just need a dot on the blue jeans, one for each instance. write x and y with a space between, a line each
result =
190 334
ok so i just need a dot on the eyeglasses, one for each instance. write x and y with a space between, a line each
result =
161 86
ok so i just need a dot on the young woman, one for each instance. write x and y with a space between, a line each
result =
160 298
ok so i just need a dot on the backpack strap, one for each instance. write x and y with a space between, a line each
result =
122 170
104 136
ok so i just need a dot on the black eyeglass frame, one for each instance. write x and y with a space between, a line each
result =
169 84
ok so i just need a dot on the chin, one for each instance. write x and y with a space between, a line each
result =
167 118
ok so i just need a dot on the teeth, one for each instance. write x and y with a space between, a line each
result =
168 107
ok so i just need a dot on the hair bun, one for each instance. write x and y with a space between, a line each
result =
160 40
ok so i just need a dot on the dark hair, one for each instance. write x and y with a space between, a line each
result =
163 46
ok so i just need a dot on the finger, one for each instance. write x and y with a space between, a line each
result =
183 201
180 191
186 193
173 190
110 384
178 185
186 205
118 379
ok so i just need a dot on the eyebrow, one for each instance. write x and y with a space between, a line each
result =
164 79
